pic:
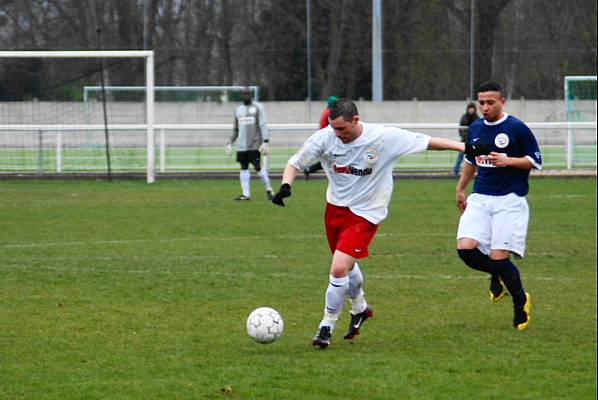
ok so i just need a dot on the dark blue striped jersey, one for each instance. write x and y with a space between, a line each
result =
513 138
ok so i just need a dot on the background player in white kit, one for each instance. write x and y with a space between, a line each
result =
496 214
358 159
250 128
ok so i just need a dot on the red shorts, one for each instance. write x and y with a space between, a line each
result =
348 232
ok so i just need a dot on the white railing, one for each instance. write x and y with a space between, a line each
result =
199 147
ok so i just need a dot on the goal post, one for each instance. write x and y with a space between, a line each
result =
580 106
147 55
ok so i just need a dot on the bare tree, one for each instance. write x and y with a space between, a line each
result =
529 45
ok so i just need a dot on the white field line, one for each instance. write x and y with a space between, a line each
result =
186 239
252 274
198 238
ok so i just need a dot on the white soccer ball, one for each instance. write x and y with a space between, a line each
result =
264 325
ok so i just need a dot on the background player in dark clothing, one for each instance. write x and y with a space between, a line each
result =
466 120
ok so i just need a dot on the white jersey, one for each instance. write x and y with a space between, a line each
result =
360 172
249 126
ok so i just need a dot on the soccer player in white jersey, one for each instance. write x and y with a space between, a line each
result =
495 216
358 160
250 128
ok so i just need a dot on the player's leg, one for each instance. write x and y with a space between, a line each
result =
355 293
509 227
338 284
360 310
352 237
244 175
262 173
348 237
474 236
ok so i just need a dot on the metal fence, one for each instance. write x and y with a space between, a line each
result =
54 149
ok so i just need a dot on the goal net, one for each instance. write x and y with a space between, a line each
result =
46 127
580 106
215 94
187 148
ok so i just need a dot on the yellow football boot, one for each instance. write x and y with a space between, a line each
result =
497 289
523 314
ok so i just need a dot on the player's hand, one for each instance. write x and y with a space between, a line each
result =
264 149
283 192
228 149
477 149
498 159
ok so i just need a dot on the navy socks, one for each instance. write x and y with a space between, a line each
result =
507 271
477 260
510 277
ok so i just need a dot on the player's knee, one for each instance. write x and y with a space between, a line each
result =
499 254
338 271
504 266
467 243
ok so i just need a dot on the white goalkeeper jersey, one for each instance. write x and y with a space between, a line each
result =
360 172
249 127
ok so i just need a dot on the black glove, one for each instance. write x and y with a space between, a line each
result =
284 191
477 149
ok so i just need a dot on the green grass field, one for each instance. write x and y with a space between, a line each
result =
123 290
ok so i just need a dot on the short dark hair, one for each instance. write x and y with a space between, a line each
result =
343 108
490 86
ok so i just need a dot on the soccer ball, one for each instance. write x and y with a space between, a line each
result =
264 325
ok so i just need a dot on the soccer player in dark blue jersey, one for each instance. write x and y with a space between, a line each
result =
495 215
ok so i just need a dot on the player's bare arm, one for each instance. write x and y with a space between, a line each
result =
445 144
466 176
289 174
475 149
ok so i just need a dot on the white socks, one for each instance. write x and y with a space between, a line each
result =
245 176
350 286
355 291
335 297
263 175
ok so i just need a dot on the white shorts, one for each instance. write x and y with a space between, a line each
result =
496 222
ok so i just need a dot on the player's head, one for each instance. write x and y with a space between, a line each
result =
344 119
491 101
331 101
246 95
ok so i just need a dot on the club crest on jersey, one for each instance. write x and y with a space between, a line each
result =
252 110
501 140
371 155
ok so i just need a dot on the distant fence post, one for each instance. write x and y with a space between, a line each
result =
569 149
162 150
58 151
